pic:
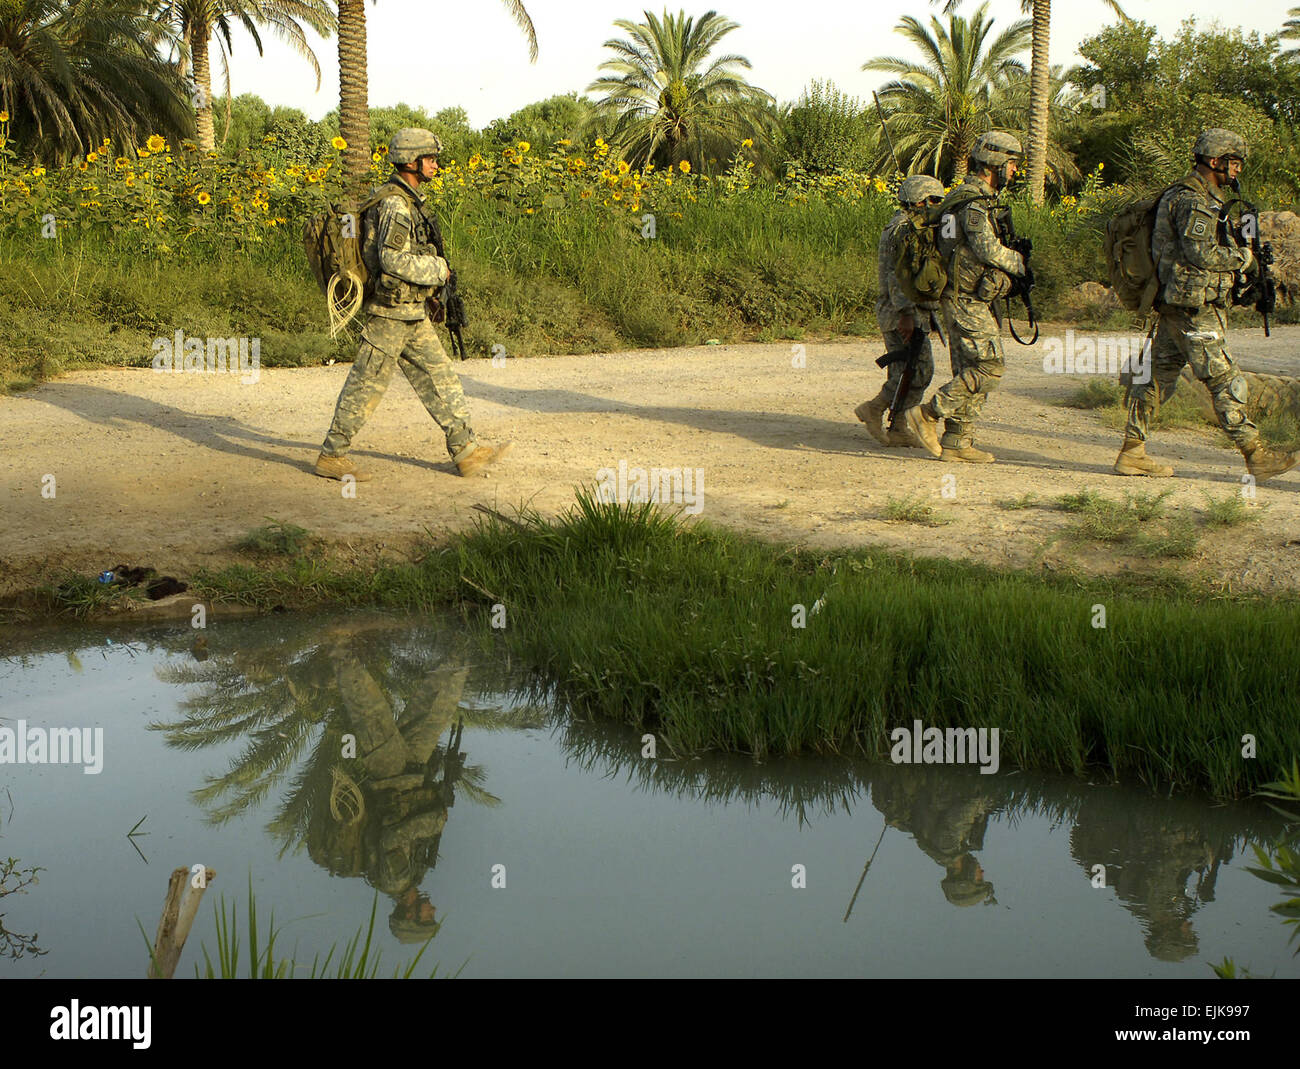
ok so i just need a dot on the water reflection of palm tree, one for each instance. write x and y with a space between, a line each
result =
358 718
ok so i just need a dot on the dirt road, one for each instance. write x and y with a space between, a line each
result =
170 470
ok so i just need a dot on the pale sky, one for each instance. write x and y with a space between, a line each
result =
439 55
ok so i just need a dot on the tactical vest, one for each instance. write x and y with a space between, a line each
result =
387 290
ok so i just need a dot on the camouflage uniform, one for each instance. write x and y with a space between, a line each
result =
1196 274
891 306
398 332
978 269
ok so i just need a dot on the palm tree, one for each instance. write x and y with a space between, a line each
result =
1291 32
73 74
1040 92
195 21
939 107
354 102
669 106
1040 96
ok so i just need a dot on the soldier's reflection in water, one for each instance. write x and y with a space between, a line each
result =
947 814
368 722
388 805
1150 855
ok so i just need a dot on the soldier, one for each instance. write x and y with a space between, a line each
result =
1197 271
979 270
899 317
406 271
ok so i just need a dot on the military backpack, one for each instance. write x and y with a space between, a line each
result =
1127 250
920 268
333 244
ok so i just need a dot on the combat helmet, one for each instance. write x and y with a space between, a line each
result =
995 148
1217 141
916 188
412 142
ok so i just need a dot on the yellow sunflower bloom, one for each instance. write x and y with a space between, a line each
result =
623 168
155 143
524 146
204 198
747 143
4 116
339 143
91 157
685 166
38 172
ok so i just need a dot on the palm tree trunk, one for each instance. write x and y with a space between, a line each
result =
961 157
354 104
203 87
1036 158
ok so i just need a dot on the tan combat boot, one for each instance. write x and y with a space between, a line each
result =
969 454
872 413
1263 463
900 438
483 456
336 467
1133 460
925 429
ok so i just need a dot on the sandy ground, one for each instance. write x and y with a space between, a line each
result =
170 470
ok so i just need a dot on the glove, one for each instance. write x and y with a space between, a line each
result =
1250 262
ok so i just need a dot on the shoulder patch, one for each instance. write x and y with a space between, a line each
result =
1201 224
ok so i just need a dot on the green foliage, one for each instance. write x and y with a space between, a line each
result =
1015 504
938 107
74 74
359 960
1160 93
1280 863
1127 523
543 123
827 130
669 101
1230 511
285 539
914 510
722 679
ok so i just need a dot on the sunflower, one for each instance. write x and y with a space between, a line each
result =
204 197
685 166
623 167
155 143
339 143
91 157
524 146
4 116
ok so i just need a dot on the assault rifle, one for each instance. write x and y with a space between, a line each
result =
448 307
1261 291
907 357
1022 286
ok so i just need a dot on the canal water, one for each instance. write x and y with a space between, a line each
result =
335 763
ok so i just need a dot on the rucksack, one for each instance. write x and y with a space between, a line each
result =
1127 249
920 268
333 243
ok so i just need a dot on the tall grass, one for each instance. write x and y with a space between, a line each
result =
688 632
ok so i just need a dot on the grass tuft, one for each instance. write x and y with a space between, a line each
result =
913 509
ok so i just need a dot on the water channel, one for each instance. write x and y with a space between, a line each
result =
540 845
